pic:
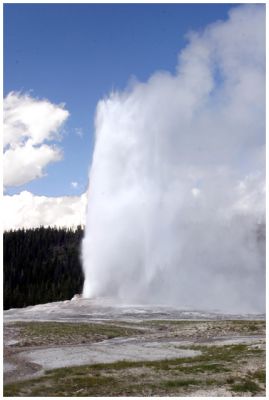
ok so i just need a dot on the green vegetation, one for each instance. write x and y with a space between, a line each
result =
41 265
59 387
260 375
246 386
181 383
213 328
57 333
206 368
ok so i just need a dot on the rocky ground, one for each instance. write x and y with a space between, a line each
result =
91 349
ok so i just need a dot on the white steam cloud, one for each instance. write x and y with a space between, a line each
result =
28 123
176 198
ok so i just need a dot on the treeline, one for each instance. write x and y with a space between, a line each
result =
41 265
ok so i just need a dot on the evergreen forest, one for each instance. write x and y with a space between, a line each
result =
41 265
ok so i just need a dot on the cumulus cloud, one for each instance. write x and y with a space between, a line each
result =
25 163
177 178
26 210
28 124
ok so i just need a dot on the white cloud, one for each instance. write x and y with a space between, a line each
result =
79 132
29 118
74 185
28 123
26 210
25 163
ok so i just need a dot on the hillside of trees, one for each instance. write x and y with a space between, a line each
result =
41 265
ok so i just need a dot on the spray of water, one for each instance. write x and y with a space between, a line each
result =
176 196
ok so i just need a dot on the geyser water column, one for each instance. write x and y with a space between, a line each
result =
176 189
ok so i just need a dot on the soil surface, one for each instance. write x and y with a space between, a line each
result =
94 348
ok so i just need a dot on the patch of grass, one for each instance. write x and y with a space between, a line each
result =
211 327
256 351
207 361
210 382
260 375
230 379
180 383
203 368
246 386
226 353
11 390
253 327
45 333
67 385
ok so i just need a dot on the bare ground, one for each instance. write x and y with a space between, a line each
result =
133 356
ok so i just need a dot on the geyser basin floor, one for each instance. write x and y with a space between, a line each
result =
163 355
79 310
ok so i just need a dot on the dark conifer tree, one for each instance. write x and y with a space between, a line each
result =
41 265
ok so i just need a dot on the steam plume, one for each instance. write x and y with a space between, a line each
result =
176 195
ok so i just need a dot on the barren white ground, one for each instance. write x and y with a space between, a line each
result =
104 310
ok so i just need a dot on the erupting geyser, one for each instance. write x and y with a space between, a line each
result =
176 208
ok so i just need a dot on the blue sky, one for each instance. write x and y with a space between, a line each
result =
77 53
